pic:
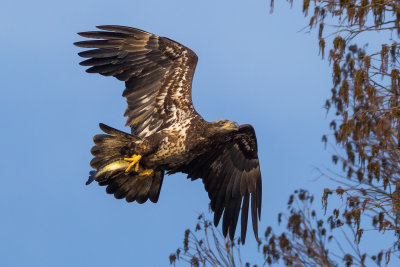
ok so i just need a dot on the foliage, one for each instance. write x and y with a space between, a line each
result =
306 239
365 100
365 106
304 243
211 250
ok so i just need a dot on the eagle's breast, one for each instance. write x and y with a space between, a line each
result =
176 145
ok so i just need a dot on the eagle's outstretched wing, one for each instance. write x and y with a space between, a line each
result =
157 71
231 175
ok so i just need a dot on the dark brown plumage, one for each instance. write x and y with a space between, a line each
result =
167 134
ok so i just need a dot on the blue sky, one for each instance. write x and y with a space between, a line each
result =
253 68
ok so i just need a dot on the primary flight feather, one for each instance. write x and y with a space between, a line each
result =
167 134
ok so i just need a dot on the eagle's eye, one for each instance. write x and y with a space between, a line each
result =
235 125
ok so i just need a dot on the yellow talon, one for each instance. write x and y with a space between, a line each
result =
134 161
145 173
137 167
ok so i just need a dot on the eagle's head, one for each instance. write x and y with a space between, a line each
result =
224 126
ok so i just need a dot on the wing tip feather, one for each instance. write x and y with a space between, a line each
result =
122 29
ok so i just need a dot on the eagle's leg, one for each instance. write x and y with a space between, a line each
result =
145 173
134 162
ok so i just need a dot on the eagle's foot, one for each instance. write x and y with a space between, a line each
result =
145 173
134 163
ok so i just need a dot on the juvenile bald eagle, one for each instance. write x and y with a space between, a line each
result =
167 134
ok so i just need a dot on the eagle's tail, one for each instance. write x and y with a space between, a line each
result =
109 152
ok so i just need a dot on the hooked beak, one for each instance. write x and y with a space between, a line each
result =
231 126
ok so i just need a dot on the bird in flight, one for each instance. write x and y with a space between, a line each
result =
167 134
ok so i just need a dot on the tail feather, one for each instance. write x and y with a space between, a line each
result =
113 145
109 151
132 188
116 133
154 192
139 190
